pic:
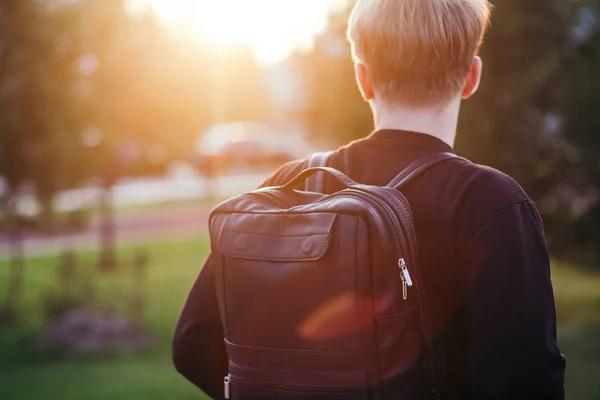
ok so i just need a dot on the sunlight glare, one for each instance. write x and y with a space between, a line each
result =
273 28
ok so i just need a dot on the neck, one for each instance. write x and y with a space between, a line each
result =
438 121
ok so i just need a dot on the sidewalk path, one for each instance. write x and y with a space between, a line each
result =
135 227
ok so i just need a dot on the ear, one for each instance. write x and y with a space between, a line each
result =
473 79
364 81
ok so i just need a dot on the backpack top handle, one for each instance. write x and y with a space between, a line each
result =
316 183
309 172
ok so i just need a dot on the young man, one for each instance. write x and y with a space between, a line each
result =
482 251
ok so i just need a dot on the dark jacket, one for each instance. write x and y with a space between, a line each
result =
485 269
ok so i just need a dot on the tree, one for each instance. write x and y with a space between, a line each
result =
22 121
335 108
574 203
152 93
532 116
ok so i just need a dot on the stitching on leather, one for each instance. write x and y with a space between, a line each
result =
378 217
351 352
269 235
223 277
316 257
316 390
381 224
411 168
283 368
221 265
411 173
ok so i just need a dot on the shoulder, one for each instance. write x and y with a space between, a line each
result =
486 198
484 186
481 194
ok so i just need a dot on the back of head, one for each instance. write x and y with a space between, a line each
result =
418 52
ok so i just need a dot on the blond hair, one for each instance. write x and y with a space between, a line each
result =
418 51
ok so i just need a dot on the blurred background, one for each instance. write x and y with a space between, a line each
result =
122 123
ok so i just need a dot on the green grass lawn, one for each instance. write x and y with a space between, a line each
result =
28 374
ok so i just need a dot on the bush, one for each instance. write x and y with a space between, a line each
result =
56 305
74 291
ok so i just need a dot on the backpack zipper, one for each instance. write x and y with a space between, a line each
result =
285 386
393 217
227 381
375 199
406 279
404 274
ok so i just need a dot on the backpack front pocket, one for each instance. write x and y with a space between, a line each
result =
288 282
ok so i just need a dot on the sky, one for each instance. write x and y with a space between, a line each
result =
273 28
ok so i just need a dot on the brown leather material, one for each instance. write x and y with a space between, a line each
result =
307 173
253 246
301 360
287 224
309 288
252 391
292 198
301 377
216 227
272 238
420 166
394 331
316 183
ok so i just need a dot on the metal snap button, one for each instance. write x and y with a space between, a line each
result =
307 246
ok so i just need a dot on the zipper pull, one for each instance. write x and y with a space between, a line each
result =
227 380
405 273
405 276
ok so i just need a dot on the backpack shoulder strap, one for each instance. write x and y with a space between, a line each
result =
420 166
316 182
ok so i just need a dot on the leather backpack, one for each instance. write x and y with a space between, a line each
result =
321 295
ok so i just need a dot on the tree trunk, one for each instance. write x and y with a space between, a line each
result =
17 257
108 261
47 221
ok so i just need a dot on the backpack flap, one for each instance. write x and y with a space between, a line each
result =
277 276
292 237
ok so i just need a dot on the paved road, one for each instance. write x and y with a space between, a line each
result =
135 227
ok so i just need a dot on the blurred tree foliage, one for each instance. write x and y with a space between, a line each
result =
535 116
20 54
334 108
90 90
90 93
